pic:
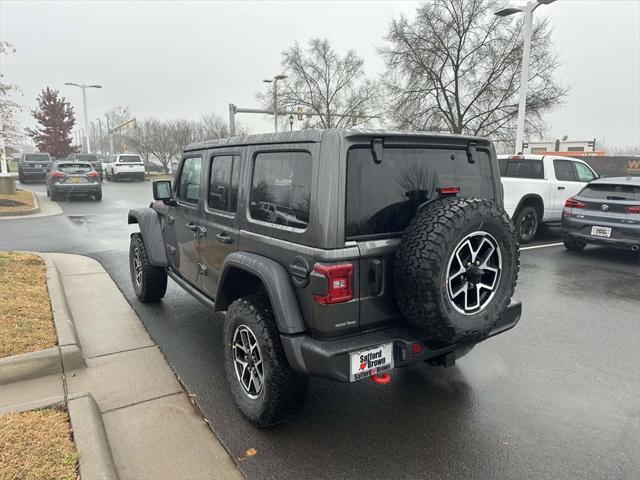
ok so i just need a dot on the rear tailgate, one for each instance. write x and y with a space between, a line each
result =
382 199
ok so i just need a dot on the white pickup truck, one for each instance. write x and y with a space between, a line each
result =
536 187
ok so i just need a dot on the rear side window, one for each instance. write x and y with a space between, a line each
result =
383 198
521 168
74 168
584 173
189 183
224 179
130 159
564 170
281 188
603 191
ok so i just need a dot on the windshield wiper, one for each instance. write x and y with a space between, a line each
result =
613 197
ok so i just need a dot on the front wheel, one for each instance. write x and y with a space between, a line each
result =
149 281
527 221
265 388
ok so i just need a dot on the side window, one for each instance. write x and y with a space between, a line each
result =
282 180
189 183
584 173
564 170
224 180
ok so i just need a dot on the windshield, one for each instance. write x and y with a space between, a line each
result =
383 198
130 159
86 158
37 157
605 191
74 168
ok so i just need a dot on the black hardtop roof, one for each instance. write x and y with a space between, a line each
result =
635 181
315 135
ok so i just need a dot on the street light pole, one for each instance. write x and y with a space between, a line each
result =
84 87
528 10
101 137
274 80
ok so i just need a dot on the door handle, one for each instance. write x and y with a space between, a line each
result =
560 187
224 238
192 226
202 231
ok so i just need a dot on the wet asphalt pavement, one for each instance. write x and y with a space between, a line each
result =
556 397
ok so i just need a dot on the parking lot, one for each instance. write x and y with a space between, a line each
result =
556 397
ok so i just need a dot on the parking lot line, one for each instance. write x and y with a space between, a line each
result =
542 246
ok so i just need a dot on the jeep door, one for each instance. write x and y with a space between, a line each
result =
219 226
186 217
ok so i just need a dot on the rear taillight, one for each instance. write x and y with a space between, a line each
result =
57 175
92 174
634 209
449 190
573 203
339 279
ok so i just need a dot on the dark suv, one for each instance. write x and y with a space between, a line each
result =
90 158
391 248
33 166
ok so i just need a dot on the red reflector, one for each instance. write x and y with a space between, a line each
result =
516 157
634 209
416 348
339 280
57 174
449 190
572 203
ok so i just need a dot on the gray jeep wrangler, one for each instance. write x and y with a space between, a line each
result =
340 254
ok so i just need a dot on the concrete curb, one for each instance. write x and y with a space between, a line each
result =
96 459
51 360
21 213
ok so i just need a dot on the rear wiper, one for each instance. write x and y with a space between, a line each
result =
613 197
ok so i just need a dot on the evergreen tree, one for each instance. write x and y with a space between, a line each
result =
56 119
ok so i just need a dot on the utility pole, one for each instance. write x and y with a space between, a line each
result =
101 137
84 87
110 135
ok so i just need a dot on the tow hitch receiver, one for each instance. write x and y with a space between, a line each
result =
381 378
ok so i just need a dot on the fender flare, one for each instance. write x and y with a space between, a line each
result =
277 283
529 196
151 230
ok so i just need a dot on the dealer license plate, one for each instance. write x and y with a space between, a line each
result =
74 180
600 231
371 361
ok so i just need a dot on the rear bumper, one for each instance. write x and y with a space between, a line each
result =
133 175
622 236
33 175
81 189
330 358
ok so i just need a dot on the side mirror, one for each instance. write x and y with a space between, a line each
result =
162 191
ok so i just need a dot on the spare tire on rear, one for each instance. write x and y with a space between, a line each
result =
456 268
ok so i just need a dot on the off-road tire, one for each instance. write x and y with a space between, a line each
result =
521 215
284 390
153 284
422 262
573 245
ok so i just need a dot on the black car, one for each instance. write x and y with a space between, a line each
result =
391 248
33 166
605 212
92 159
66 179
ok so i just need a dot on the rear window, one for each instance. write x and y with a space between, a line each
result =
130 159
37 157
74 167
523 168
86 158
604 191
383 198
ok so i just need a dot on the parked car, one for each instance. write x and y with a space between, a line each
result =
400 253
91 158
122 166
66 179
536 187
605 212
33 166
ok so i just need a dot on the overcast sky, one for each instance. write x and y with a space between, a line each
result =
173 59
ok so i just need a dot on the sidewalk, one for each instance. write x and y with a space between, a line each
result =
152 428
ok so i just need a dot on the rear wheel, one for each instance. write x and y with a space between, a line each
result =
97 196
573 245
55 196
527 221
149 281
265 388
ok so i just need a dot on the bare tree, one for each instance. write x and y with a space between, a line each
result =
158 141
117 116
332 87
9 128
456 67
